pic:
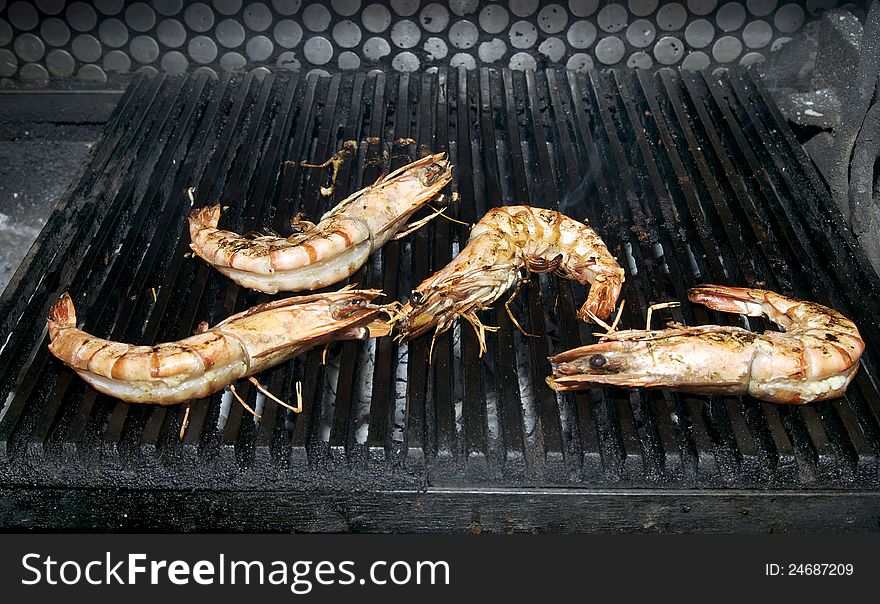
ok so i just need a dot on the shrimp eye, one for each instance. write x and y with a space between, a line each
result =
416 298
597 361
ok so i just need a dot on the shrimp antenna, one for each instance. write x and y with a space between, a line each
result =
185 423
654 307
414 226
243 404
447 216
610 329
262 389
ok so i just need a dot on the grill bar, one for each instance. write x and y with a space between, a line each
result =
687 178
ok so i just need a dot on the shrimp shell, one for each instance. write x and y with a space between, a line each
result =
814 359
504 242
325 253
204 363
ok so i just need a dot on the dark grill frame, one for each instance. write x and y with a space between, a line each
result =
686 173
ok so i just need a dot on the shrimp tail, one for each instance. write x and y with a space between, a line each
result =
602 299
740 300
62 314
207 217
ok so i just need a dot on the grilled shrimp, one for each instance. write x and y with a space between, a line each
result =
503 243
324 253
813 360
197 366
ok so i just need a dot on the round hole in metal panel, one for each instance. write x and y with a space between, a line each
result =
286 7
405 62
757 34
257 16
552 19
642 8
581 34
463 7
376 48
53 31
671 17
699 33
117 62
141 17
523 61
91 73
199 17
789 18
752 58
50 7
109 7
174 62
435 48
610 50
81 17
762 8
346 8
113 33
523 34
229 33
8 63
702 7
668 50
463 59
405 8
523 8
434 17
376 18
260 48
553 49
287 60
639 60
6 32
167 8
348 60
347 34
86 48
316 17
405 34
29 48
227 7
33 73
23 16
207 71
463 34
232 61
726 49
580 62
287 33
144 49
171 33
696 61
494 19
612 18
318 50
60 63
731 16
202 49
491 51
641 33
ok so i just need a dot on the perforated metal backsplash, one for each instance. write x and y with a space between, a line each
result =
46 40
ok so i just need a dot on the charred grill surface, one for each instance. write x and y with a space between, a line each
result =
688 179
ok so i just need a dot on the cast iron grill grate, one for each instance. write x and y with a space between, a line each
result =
688 178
